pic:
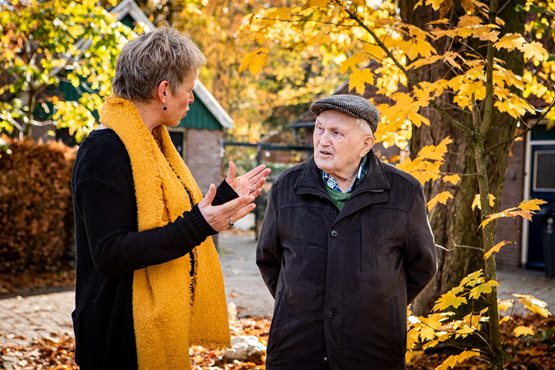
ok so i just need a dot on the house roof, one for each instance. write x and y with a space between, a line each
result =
130 7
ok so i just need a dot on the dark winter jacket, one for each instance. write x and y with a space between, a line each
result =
109 249
342 279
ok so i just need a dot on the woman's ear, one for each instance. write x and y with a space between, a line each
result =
162 91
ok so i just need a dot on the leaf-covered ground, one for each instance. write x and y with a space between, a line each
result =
528 353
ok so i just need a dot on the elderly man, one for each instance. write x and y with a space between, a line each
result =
344 247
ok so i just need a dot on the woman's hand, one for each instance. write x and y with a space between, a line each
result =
249 183
223 216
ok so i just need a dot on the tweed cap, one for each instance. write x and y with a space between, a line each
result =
353 105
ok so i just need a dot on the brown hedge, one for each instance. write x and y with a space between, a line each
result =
36 218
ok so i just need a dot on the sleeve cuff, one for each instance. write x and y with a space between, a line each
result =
195 226
224 194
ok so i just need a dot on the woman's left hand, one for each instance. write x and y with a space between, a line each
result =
249 183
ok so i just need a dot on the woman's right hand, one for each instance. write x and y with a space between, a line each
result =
223 216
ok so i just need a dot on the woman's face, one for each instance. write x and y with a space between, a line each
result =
178 102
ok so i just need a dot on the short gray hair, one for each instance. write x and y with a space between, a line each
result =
163 54
364 126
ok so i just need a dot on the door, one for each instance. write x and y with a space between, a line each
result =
542 186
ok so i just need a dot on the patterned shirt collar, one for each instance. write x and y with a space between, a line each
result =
331 182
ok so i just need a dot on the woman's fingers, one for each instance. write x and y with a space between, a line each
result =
243 212
209 197
257 173
232 173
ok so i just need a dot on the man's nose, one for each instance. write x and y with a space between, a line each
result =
325 138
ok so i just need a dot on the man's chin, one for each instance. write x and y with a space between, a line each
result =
322 164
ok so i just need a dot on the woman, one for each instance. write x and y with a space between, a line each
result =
148 279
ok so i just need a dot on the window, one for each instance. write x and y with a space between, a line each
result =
544 170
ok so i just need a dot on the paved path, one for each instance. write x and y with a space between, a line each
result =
22 318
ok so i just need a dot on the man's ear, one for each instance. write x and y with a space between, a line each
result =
162 91
369 142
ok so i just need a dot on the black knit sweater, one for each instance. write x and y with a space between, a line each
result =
109 248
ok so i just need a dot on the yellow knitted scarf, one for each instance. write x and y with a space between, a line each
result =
171 309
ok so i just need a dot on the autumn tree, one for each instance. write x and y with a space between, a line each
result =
454 76
48 43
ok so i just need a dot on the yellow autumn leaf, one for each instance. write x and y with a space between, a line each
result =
485 288
469 20
424 61
496 248
504 319
453 360
504 304
374 51
464 331
453 179
472 279
449 299
523 330
312 3
442 198
533 304
254 61
436 4
476 201
531 205
351 62
427 333
359 78
510 41
535 50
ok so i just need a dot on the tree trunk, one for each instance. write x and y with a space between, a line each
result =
455 225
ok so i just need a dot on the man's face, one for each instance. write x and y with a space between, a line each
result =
340 143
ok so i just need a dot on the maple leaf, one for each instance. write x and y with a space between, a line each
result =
254 61
359 78
313 3
374 51
453 360
485 288
472 279
453 179
504 304
476 201
442 198
531 205
523 330
449 299
469 20
496 248
351 62
535 50
510 41
533 304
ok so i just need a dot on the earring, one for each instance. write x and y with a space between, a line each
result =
165 108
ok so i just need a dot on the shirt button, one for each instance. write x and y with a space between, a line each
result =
334 233
325 359
329 313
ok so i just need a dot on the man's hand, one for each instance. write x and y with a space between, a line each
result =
250 183
223 216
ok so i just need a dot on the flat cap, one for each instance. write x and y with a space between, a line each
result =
353 105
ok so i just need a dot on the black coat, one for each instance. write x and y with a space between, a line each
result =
109 250
342 280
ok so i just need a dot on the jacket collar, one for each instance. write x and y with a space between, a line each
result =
372 189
